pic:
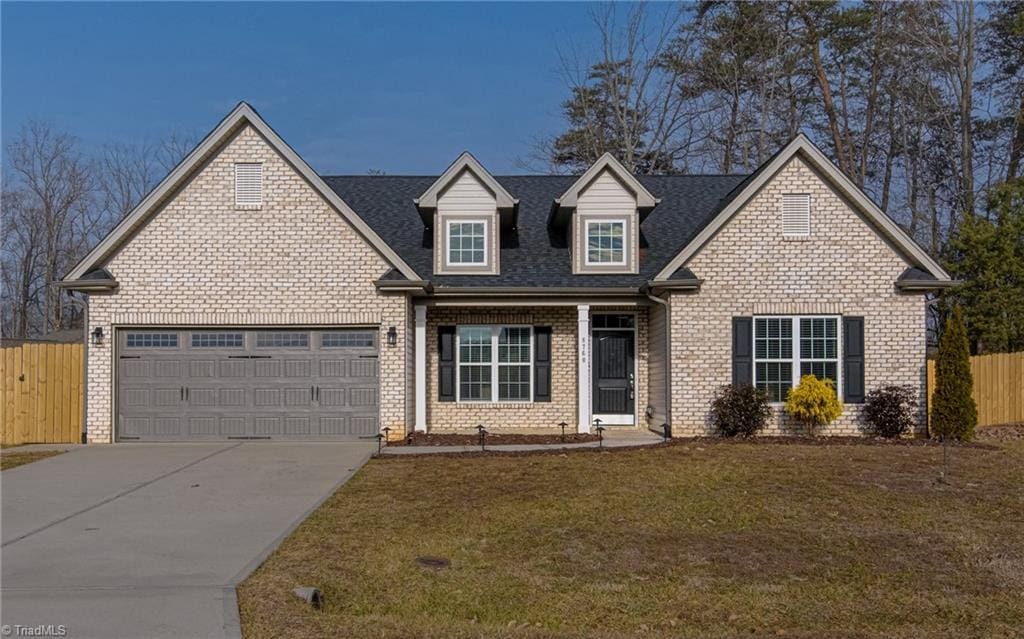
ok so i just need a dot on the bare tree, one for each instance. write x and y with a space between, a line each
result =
53 186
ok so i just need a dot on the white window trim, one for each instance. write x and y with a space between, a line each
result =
448 241
807 198
795 359
495 333
586 241
238 202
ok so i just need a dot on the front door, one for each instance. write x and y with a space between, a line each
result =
614 377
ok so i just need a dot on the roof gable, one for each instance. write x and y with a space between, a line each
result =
465 162
241 115
813 155
607 162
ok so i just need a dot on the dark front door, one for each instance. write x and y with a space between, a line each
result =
614 390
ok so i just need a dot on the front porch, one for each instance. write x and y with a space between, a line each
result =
529 367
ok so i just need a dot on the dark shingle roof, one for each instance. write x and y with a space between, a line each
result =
534 255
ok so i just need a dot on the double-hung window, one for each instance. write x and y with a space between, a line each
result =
786 348
606 242
467 243
495 363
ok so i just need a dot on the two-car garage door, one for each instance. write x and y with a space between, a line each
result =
198 384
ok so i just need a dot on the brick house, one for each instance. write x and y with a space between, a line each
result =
249 297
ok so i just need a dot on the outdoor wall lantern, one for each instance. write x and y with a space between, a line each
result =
97 335
392 336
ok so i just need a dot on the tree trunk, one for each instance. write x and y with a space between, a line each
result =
1016 143
821 76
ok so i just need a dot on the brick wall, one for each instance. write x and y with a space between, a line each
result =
201 260
446 417
845 268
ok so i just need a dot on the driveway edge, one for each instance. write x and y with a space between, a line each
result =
232 616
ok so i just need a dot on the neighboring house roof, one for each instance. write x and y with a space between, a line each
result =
239 116
752 184
534 254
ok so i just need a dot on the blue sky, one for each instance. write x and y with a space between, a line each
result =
399 87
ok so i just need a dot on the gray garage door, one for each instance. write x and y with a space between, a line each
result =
194 384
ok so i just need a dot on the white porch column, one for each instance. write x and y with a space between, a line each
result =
421 368
583 366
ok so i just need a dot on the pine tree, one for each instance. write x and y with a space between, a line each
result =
954 414
989 260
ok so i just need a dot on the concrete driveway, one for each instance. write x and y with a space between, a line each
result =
149 540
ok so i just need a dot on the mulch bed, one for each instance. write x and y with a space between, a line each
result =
1001 433
432 439
421 439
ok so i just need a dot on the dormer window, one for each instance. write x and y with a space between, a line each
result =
467 211
606 242
600 218
467 242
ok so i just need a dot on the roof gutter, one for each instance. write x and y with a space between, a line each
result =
653 286
533 291
89 285
404 286
923 286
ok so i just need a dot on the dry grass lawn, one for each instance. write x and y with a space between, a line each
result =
14 459
694 539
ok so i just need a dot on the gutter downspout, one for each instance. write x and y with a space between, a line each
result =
668 359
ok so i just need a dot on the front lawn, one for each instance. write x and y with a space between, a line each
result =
696 539
13 459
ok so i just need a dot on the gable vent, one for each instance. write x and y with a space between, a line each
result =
796 215
249 184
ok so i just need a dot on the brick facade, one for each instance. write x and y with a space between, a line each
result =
200 260
447 417
748 268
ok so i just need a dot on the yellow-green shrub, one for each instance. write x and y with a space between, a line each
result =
814 403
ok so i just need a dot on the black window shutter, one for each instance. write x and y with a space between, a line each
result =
853 360
742 351
446 363
542 364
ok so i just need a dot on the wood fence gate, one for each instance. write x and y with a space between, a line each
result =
42 393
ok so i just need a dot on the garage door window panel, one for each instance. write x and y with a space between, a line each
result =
282 340
152 340
218 340
348 339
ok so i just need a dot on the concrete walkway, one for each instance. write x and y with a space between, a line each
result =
614 440
150 540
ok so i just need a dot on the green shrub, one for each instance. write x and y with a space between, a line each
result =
954 414
890 411
740 411
814 403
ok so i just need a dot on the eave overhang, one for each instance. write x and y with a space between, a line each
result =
404 286
535 291
924 286
95 281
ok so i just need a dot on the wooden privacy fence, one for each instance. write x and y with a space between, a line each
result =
998 387
42 396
